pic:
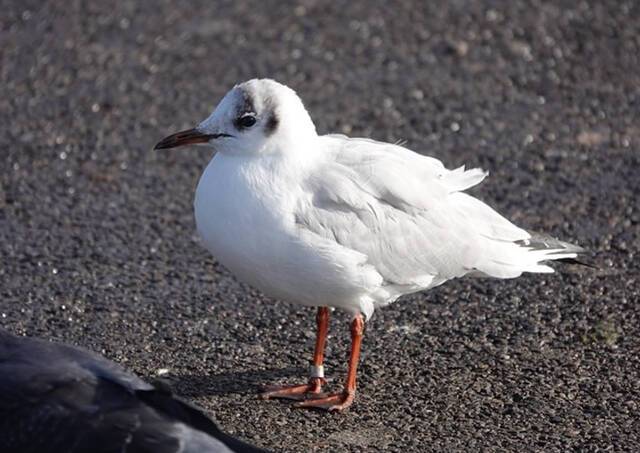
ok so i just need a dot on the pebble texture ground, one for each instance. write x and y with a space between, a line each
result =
98 245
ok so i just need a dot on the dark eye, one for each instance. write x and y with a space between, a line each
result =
246 121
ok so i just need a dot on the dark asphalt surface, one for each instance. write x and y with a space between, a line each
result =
98 245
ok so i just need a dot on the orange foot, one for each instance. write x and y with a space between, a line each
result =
333 402
294 392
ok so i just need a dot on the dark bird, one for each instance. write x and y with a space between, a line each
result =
60 398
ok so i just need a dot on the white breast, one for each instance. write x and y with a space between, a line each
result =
233 221
243 212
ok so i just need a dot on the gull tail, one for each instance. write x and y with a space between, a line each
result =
554 249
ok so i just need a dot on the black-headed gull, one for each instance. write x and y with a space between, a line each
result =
333 221
60 398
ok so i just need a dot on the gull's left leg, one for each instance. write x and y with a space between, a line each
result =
316 380
342 400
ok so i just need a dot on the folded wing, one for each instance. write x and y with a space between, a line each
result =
409 216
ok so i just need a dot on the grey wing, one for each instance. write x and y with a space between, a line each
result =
407 214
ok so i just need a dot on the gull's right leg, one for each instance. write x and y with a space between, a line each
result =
316 378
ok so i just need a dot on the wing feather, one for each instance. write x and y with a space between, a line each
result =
407 214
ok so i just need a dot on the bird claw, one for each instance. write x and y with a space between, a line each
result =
333 402
294 392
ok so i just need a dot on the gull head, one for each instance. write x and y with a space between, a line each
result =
255 117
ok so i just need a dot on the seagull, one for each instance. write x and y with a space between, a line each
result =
58 398
330 221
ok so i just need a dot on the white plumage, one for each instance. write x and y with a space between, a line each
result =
345 222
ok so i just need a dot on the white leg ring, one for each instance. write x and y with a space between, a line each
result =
316 371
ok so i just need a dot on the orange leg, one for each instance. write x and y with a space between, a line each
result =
342 400
316 380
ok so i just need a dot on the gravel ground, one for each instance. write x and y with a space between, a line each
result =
98 245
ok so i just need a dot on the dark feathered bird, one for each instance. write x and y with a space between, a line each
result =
60 398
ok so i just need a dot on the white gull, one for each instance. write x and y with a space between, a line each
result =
333 221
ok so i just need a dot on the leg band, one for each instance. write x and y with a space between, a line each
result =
316 371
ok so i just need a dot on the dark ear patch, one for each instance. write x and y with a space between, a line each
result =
272 124
247 104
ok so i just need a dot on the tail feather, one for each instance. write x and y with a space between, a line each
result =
541 241
554 249
580 261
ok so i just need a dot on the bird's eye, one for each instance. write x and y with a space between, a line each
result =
246 121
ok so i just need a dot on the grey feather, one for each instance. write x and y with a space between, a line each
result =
407 214
541 241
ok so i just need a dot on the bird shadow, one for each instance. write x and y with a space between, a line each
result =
233 382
